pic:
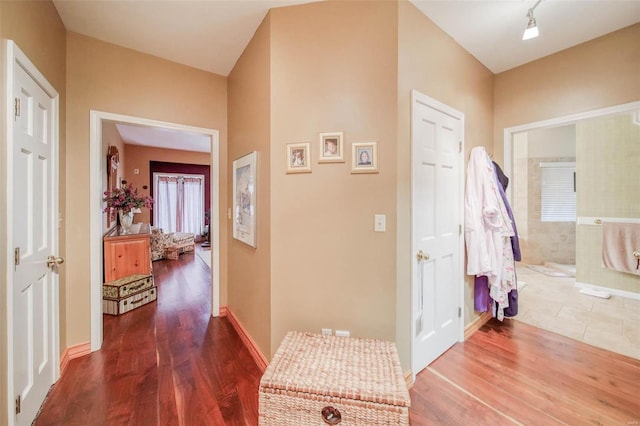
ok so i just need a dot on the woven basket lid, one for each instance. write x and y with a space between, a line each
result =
353 368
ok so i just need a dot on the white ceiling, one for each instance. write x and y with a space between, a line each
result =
211 34
492 30
163 138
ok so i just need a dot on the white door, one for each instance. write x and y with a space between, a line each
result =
33 233
436 134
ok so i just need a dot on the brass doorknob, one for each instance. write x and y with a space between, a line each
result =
54 261
422 256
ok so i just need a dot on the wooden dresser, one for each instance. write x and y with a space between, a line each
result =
127 254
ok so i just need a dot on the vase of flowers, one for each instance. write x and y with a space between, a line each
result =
126 220
125 200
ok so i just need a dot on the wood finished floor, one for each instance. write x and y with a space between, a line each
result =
170 363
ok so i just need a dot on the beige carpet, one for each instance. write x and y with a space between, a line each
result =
205 255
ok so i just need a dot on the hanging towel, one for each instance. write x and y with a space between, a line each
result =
619 243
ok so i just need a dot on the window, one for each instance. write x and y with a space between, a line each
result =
558 192
179 202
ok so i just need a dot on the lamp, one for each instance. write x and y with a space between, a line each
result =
532 28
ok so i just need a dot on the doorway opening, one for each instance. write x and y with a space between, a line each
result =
97 118
561 258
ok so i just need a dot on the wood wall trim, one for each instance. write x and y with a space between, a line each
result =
477 324
249 343
73 352
408 378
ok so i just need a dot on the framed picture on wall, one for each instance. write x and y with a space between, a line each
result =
298 157
364 157
331 148
113 162
244 198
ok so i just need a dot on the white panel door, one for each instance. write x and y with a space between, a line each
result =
436 133
34 238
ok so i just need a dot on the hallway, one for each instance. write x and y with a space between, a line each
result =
165 363
170 363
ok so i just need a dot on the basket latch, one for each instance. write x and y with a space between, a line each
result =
331 415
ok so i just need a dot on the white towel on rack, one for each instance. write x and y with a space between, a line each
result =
619 242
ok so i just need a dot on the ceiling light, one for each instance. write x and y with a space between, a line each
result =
532 28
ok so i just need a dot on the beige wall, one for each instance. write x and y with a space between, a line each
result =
38 31
596 74
608 155
552 142
433 63
109 78
138 157
249 130
333 68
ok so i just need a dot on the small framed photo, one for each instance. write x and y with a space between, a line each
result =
364 157
299 157
331 148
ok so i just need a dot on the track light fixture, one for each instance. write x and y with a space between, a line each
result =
532 28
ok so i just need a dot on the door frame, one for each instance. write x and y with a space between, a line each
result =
508 132
12 55
97 166
437 105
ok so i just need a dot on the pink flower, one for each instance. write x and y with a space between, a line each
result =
126 199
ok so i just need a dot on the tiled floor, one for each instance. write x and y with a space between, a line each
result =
554 304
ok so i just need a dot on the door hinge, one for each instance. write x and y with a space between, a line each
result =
18 400
459 312
460 146
459 229
17 107
16 256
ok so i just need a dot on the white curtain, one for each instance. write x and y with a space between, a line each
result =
179 203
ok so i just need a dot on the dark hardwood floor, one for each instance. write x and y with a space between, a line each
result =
170 363
165 363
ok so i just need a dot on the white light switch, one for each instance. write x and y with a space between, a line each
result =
380 223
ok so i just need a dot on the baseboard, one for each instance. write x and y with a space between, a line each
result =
73 352
408 378
477 324
249 343
613 291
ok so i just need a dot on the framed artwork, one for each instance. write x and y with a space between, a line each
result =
364 157
298 157
244 198
331 148
113 162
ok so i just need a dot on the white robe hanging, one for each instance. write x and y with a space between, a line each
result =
488 229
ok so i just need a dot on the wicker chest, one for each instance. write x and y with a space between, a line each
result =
319 380
125 294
